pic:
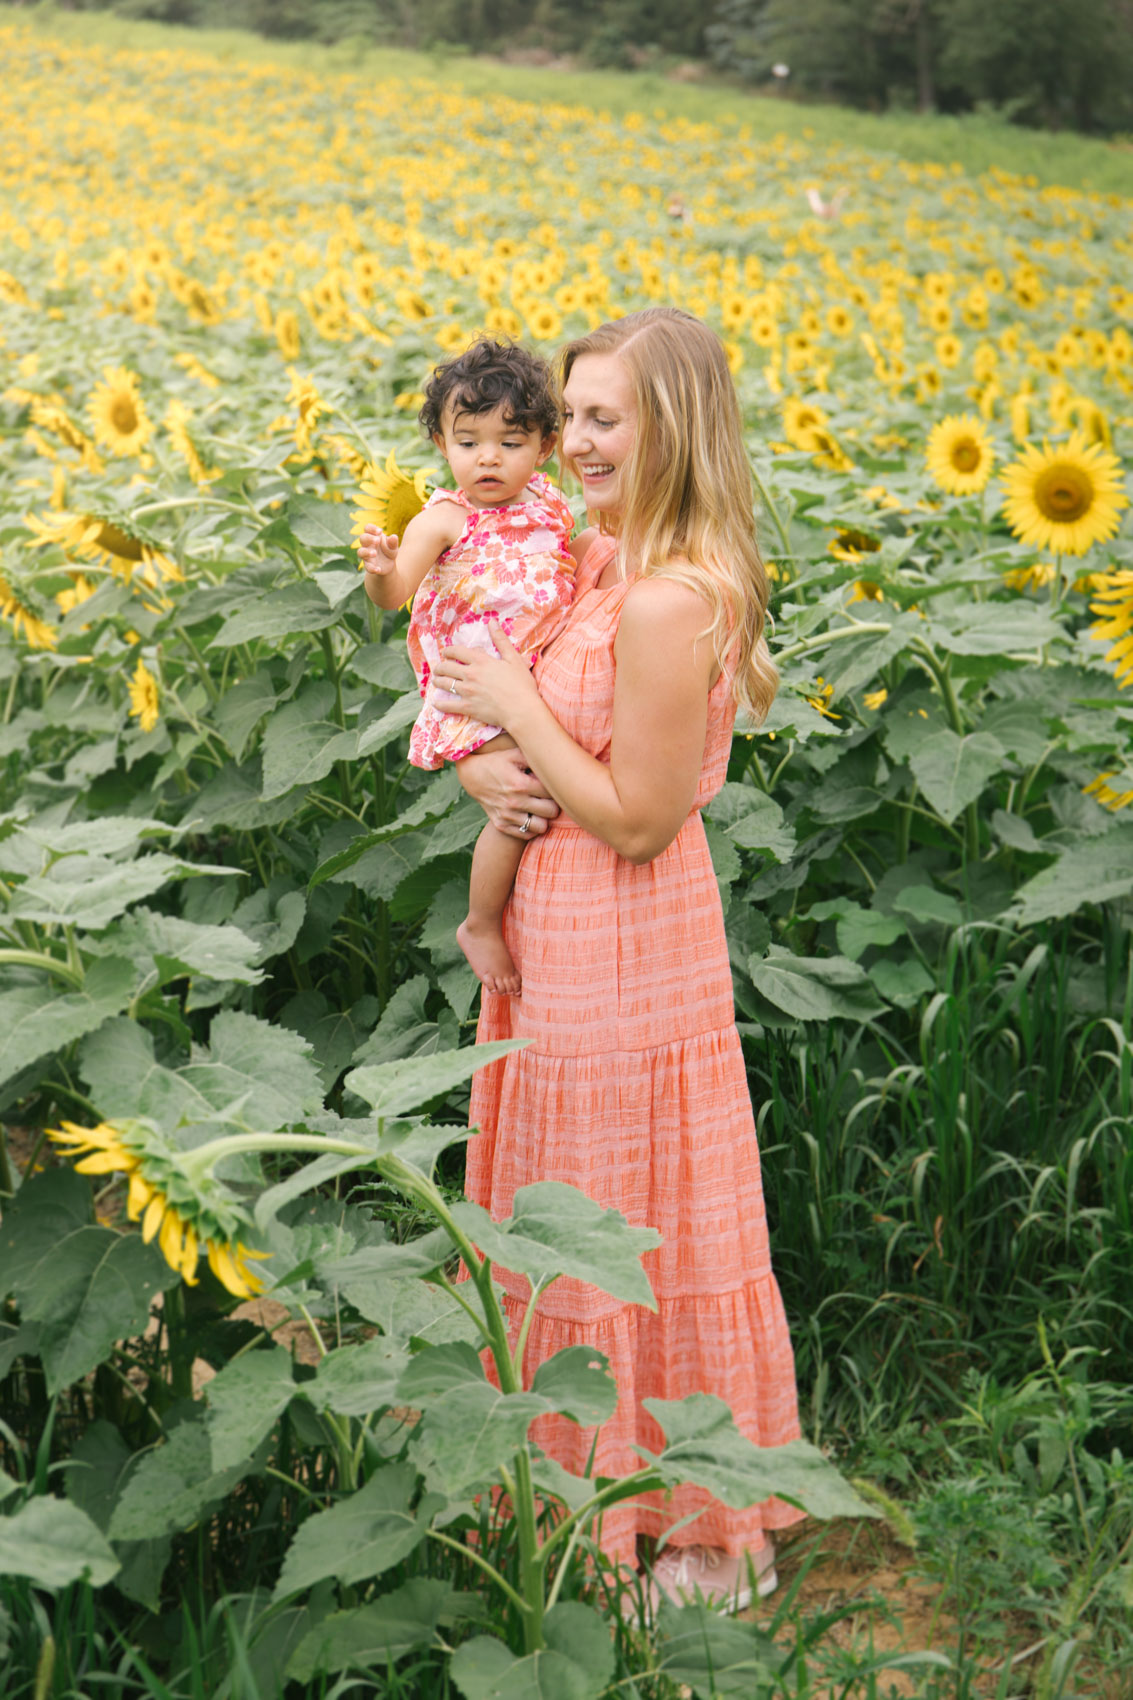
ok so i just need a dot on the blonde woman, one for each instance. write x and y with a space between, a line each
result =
634 1087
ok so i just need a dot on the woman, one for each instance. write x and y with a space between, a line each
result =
634 1087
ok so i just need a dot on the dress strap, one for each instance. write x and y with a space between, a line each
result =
443 494
594 563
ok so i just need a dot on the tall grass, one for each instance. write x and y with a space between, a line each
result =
936 1195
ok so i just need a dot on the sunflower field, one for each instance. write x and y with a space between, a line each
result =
246 1441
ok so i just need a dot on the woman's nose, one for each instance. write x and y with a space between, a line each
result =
573 439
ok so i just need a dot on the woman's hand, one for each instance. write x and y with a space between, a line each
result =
511 797
491 688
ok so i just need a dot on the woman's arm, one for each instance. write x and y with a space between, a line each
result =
395 569
639 802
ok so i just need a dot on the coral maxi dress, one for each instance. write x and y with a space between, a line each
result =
634 1090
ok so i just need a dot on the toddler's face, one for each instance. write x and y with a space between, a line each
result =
491 460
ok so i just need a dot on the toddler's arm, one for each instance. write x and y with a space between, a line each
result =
395 568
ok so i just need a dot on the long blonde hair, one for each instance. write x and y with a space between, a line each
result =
688 510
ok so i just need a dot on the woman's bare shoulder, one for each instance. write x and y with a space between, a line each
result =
657 599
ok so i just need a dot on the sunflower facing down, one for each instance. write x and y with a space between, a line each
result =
144 700
390 498
1115 625
1064 499
186 1212
118 413
959 454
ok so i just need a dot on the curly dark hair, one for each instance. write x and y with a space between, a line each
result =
490 375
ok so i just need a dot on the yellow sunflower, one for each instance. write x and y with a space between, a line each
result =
183 1226
177 420
286 329
803 424
37 633
1115 608
144 705
959 454
1064 499
118 413
1106 795
390 498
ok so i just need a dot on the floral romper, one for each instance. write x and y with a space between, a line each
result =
510 564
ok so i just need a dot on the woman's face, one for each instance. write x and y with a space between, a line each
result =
599 426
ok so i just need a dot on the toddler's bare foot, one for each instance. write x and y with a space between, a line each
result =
488 956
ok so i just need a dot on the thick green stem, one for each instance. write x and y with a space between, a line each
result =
821 639
768 501
39 959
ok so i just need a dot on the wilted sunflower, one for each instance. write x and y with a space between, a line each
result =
118 414
1115 605
1065 499
390 498
959 454
177 420
186 1212
1109 798
37 633
144 703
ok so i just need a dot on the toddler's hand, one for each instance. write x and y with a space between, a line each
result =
378 551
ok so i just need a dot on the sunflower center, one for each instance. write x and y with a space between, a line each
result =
1064 493
124 415
966 454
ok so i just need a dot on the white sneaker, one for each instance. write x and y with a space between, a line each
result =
720 1578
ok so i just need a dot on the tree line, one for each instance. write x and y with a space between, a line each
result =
1055 63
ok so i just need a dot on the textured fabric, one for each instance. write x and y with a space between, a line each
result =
634 1089
510 564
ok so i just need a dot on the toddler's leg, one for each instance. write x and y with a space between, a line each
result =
495 863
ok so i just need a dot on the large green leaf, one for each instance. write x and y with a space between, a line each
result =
357 1379
300 745
91 1289
370 1636
704 1447
173 1487
993 628
429 808
952 771
1098 871
99 1464
280 616
383 731
468 1431
38 1019
713 1654
395 1088
178 948
265 1069
245 1401
576 1664
554 1229
90 891
241 709
577 1382
320 524
47 1208
814 988
53 1543
762 827
408 1308
360 1537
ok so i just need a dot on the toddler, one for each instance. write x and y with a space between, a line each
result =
495 548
